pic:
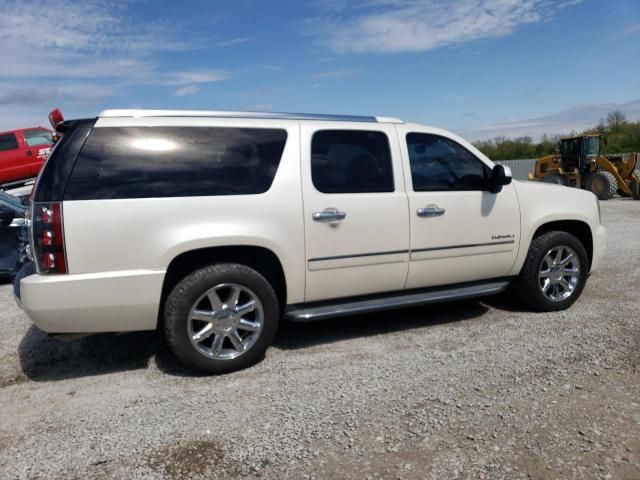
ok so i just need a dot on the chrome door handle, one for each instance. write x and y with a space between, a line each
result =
329 215
430 211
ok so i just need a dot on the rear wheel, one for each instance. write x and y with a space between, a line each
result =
602 183
635 189
554 273
221 318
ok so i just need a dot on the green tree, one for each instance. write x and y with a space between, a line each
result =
622 137
616 120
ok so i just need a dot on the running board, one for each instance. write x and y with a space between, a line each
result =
345 307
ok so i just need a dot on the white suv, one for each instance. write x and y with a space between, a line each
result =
211 226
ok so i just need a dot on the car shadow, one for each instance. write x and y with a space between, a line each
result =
43 358
294 335
508 302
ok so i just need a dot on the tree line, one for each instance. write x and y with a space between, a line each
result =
622 136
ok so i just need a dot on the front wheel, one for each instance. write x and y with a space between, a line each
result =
221 318
602 183
554 272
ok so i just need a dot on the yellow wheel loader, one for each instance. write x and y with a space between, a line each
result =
581 163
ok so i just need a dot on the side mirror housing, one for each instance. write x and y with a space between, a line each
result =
500 176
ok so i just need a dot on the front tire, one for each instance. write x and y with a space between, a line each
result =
554 273
603 184
221 318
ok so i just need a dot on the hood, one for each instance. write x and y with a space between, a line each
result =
544 189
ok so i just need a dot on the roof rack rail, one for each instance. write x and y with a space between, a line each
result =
256 115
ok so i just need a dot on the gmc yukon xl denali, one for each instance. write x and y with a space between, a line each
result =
212 226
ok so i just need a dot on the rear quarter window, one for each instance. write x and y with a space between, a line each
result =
151 162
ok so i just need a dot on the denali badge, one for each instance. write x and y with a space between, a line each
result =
502 237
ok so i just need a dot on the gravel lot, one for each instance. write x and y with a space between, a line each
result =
461 390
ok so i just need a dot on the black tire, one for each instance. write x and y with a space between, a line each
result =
603 184
554 178
190 289
635 189
527 285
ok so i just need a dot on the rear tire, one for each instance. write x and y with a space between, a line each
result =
209 323
602 183
540 267
635 190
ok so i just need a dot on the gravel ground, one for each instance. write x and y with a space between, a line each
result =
462 390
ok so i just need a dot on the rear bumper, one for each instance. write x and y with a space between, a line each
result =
599 247
89 303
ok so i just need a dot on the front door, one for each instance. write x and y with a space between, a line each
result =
460 231
355 210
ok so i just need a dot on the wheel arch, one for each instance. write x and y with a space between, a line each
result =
579 229
261 259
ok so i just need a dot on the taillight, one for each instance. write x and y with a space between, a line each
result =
48 238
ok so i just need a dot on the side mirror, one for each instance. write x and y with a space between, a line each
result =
500 176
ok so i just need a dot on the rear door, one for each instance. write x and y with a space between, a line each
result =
355 209
460 231
10 157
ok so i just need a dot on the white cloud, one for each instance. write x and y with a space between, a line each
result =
197 76
578 118
261 107
635 28
86 39
188 90
233 41
75 54
77 93
343 73
388 26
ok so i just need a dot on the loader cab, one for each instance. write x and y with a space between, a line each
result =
579 152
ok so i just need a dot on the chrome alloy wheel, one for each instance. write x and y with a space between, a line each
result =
559 273
225 321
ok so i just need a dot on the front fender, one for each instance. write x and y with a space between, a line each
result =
542 203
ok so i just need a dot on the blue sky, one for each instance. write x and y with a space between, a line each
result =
478 67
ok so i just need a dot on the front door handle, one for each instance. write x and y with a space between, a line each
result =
430 211
329 215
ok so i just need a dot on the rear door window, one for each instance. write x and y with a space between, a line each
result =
351 161
37 137
8 141
142 162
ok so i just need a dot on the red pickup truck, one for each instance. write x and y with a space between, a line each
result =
23 152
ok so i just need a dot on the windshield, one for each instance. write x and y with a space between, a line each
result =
591 146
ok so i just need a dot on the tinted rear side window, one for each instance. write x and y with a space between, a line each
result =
8 142
351 161
141 162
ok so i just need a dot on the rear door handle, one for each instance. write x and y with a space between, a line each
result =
329 215
430 211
